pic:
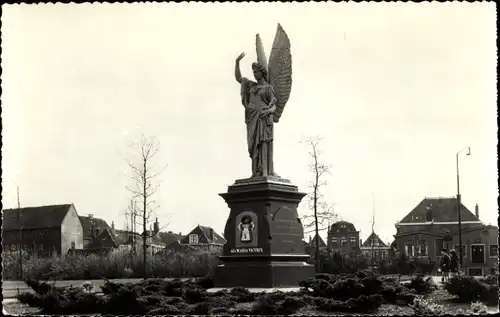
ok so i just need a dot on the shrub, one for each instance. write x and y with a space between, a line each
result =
422 286
242 295
469 289
422 307
478 308
201 308
265 306
116 264
361 304
334 263
290 305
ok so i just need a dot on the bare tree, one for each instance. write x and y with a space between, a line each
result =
144 174
321 210
131 214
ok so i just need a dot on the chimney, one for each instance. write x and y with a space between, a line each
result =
477 211
113 225
211 234
156 226
91 216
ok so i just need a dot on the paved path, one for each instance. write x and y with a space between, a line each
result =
10 289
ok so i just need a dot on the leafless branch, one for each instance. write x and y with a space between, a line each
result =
143 173
320 210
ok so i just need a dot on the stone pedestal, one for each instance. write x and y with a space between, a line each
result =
264 235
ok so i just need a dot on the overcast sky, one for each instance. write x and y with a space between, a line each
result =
395 90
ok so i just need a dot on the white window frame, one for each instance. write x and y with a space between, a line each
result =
193 238
489 251
484 258
352 239
455 246
408 247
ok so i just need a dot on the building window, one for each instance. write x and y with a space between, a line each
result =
423 249
493 250
334 242
464 250
429 216
193 239
409 250
343 242
353 239
73 245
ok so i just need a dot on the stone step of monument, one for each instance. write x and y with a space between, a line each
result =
258 290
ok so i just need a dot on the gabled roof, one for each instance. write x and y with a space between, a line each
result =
42 217
125 236
106 239
217 238
442 209
204 236
377 242
87 225
322 243
342 227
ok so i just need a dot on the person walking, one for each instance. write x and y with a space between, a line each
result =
454 272
445 265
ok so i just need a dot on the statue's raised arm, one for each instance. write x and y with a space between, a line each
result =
280 70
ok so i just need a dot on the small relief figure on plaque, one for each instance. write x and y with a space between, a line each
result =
246 227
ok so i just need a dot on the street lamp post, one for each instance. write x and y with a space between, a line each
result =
459 207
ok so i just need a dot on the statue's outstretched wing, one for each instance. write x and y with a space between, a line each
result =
280 70
261 55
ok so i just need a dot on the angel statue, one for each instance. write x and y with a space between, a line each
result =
265 99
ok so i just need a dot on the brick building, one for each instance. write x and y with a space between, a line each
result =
44 230
433 224
343 238
374 246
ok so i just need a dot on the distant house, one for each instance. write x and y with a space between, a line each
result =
343 238
127 239
158 240
375 247
46 230
92 228
204 237
433 225
311 245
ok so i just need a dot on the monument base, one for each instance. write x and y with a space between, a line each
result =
279 274
265 247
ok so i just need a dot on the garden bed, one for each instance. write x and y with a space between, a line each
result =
344 294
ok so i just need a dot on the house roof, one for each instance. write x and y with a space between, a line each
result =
322 243
342 226
217 238
377 242
442 209
106 239
124 236
205 235
87 225
41 217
